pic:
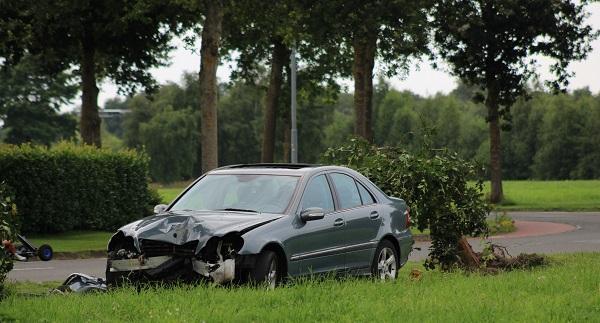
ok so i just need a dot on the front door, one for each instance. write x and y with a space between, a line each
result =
363 222
317 246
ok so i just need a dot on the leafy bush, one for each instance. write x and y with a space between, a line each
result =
76 187
8 213
434 185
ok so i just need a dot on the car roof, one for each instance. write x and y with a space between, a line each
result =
273 169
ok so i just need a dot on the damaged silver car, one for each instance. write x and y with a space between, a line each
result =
264 223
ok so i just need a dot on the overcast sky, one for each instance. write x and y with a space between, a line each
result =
422 78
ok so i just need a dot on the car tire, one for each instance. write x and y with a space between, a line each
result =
267 269
45 252
386 261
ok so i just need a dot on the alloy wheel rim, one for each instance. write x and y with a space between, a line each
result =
272 275
386 264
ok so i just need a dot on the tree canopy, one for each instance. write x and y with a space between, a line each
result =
115 39
492 44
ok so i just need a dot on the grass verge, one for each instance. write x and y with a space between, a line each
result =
567 290
580 195
73 241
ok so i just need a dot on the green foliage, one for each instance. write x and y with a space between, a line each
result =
68 187
490 44
171 129
30 101
434 185
127 37
8 213
398 27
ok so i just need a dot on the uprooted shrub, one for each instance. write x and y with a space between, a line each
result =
8 213
70 186
434 184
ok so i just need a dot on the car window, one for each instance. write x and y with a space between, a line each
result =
366 197
346 190
318 194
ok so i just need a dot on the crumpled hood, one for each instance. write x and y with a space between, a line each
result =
180 227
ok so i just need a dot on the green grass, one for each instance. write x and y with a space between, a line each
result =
567 290
169 194
73 241
551 195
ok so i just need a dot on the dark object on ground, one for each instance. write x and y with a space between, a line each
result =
263 223
495 257
81 283
28 250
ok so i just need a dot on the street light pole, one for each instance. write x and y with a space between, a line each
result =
294 133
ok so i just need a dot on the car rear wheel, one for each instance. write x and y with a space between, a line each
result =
385 263
267 270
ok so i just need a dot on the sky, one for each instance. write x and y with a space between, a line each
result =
421 79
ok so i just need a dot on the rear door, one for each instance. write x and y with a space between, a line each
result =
360 212
317 246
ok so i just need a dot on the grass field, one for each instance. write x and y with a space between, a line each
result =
567 290
519 195
73 241
551 195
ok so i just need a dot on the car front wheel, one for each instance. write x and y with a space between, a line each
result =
267 269
385 263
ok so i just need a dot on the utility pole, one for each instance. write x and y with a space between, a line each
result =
294 132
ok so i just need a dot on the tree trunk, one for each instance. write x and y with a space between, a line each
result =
90 119
362 70
278 59
495 145
209 61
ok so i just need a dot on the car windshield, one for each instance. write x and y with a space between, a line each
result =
245 192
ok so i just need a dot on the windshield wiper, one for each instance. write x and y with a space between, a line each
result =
238 210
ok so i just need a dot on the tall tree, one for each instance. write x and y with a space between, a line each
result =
491 43
257 32
114 39
209 61
393 31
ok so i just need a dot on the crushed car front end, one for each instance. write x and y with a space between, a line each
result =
175 249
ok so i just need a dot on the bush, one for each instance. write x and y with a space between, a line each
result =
70 186
434 185
8 213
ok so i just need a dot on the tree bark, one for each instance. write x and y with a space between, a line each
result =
362 70
90 118
209 61
491 103
278 59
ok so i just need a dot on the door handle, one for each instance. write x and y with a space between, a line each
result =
374 215
338 222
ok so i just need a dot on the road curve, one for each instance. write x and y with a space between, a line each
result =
573 232
583 234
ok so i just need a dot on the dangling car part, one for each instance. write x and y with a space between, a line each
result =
263 223
81 283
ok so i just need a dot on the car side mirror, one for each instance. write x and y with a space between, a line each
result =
312 213
160 208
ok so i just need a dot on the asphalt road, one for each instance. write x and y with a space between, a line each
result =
584 237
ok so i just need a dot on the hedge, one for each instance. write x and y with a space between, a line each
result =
71 186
